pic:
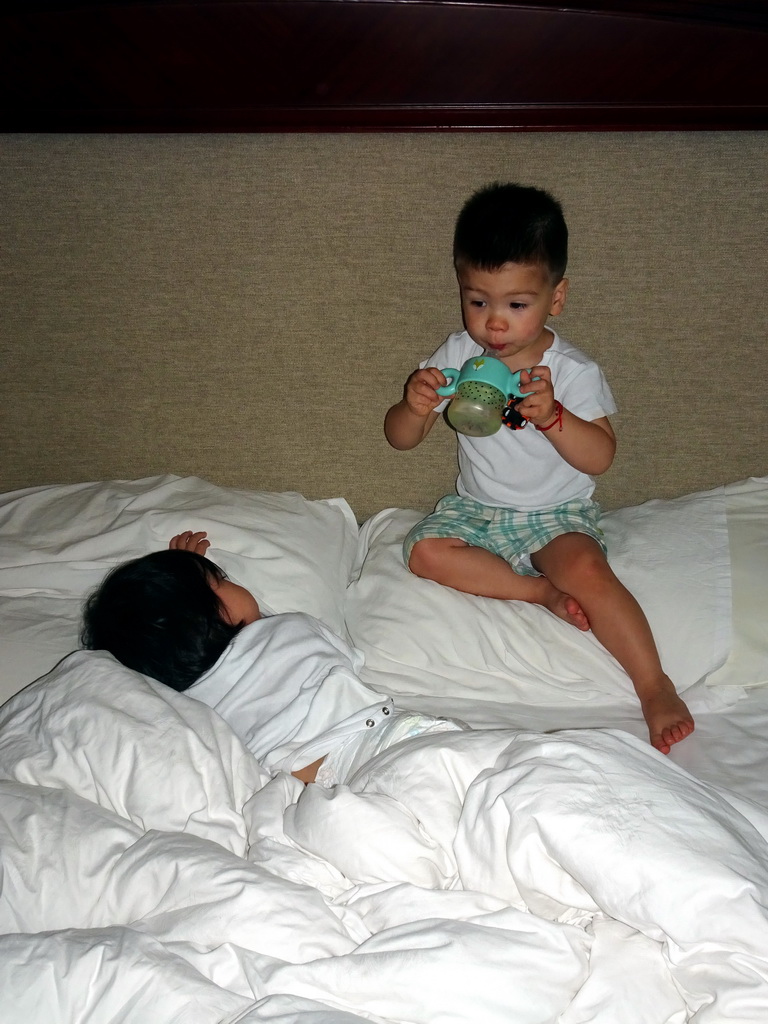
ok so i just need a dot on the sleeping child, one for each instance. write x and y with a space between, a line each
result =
288 686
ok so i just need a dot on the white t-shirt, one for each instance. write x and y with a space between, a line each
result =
289 687
520 469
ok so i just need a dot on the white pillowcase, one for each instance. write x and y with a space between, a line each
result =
59 542
747 508
422 638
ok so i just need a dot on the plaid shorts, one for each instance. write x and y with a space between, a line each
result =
512 535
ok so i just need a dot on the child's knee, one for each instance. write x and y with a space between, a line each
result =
426 556
575 556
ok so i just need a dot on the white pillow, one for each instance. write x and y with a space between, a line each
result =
60 541
422 638
747 508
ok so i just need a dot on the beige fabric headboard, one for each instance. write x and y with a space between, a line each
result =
246 307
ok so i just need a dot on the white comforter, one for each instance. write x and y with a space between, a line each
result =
153 872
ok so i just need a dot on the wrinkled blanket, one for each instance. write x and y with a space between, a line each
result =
153 871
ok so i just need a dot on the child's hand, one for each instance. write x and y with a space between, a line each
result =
190 541
420 390
539 405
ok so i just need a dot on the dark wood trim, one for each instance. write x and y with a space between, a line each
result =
382 65
398 119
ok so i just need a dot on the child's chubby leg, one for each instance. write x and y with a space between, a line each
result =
576 563
474 570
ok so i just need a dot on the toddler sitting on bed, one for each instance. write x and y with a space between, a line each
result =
286 684
523 525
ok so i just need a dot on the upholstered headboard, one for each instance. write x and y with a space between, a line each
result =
245 306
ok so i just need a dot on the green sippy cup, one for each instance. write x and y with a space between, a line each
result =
482 389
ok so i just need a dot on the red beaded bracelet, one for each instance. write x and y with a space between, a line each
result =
557 420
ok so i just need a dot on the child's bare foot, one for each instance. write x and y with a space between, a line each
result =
567 608
667 717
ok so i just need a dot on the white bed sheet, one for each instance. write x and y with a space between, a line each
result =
493 875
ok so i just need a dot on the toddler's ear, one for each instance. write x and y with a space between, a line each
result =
559 296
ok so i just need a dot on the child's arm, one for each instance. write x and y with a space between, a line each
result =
408 423
308 774
588 446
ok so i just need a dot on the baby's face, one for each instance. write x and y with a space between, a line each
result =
505 310
238 605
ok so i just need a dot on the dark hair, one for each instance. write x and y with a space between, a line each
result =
160 616
509 223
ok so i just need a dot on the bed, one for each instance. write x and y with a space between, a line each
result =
188 215
541 860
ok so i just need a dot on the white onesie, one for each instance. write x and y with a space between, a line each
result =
289 688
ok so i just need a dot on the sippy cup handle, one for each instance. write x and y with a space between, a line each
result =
453 378
516 392
512 388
